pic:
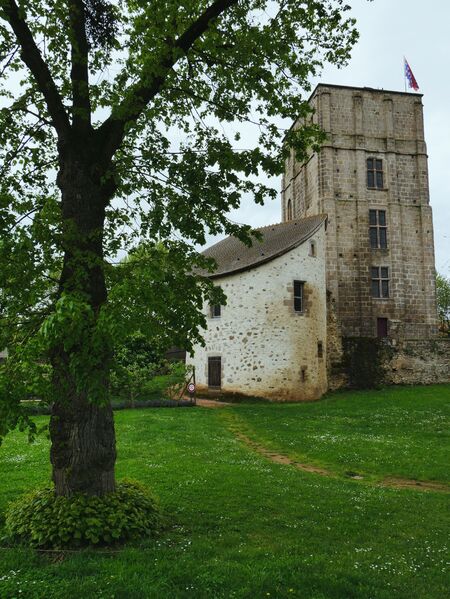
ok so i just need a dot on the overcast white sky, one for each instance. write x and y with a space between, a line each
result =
389 30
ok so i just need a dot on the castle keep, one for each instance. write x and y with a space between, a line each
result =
346 282
371 179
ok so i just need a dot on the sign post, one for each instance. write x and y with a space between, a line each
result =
191 391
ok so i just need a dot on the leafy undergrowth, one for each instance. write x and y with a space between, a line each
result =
42 519
246 527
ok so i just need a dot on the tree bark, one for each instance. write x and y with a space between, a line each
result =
83 449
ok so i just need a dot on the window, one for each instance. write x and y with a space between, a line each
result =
289 210
298 296
378 229
215 311
215 371
319 349
380 281
312 249
382 327
374 173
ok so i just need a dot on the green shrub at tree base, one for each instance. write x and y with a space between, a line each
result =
42 519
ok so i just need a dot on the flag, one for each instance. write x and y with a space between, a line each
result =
409 75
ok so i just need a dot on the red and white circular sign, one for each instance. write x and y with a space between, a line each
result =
191 388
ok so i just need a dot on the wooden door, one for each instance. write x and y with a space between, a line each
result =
382 327
215 371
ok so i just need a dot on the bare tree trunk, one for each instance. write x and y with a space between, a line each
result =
83 449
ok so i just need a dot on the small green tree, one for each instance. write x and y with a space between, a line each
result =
443 300
135 363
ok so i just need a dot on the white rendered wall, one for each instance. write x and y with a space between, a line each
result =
263 343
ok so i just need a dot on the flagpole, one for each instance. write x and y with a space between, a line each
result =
410 76
404 73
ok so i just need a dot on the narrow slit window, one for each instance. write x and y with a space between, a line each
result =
319 349
298 296
289 210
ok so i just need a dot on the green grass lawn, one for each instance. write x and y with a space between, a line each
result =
242 526
398 431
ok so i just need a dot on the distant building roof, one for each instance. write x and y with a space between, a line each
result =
233 256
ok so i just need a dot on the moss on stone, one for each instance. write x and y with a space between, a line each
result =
365 361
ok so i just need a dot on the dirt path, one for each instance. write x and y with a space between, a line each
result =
212 403
411 483
279 458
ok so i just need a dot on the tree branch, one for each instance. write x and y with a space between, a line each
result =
23 217
9 60
81 105
140 94
31 56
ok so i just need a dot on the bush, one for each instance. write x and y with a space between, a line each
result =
133 365
139 373
169 382
42 519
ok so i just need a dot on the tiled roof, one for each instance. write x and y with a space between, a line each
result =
232 256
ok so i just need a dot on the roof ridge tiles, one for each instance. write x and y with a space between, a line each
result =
288 222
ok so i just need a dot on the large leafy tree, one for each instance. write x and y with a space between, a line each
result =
119 127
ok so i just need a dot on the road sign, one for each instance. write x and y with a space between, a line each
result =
191 388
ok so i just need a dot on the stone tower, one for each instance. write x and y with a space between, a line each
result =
371 178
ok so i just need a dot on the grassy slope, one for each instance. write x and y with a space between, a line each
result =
241 526
401 431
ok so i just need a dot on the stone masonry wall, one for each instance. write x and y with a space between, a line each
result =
420 361
267 349
408 362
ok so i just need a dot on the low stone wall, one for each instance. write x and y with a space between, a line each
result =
419 362
406 362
